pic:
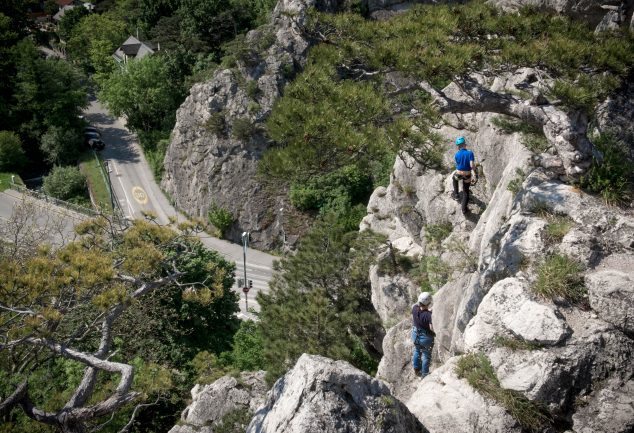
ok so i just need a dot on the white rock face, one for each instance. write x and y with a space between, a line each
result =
587 10
444 403
612 297
508 309
210 403
396 365
205 166
322 395
609 410
393 295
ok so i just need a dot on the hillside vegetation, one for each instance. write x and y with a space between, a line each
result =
341 115
340 124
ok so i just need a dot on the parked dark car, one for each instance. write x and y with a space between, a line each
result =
93 140
91 129
96 144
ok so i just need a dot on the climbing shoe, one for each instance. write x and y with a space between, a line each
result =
417 372
455 196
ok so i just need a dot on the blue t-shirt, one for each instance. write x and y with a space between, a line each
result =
463 158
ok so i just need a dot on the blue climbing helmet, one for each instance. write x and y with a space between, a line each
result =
460 141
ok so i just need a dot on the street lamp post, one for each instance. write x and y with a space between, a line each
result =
245 288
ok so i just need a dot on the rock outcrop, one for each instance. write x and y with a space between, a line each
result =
445 403
322 395
573 358
217 140
212 403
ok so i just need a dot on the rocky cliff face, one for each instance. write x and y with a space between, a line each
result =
217 140
227 400
568 354
575 358
328 396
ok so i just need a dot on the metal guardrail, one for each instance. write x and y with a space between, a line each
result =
47 198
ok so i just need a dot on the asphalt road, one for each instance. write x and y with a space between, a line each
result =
136 191
55 223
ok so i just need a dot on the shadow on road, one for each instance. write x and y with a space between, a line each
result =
99 118
119 143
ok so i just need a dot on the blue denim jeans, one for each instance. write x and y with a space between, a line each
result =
423 345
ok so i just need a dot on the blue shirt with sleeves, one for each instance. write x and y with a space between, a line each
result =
463 158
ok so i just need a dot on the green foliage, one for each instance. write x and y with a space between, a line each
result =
559 277
515 184
12 155
216 123
436 233
221 218
68 22
65 183
248 346
252 89
612 176
477 370
155 144
558 226
585 92
532 136
61 145
323 123
346 185
323 309
94 36
515 343
243 128
48 92
144 93
394 263
431 273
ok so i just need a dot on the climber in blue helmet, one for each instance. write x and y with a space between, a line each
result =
465 172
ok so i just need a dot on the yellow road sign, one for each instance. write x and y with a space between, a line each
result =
139 195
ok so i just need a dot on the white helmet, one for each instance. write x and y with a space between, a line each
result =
424 298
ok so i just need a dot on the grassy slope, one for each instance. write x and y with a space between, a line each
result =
94 171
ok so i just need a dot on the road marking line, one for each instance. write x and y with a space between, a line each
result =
127 199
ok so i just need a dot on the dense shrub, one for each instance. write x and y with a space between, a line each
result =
216 123
65 183
221 218
324 309
243 128
347 184
12 155
61 145
612 176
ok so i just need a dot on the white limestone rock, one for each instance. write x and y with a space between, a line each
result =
508 309
210 403
395 367
611 295
392 296
610 409
444 403
322 395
